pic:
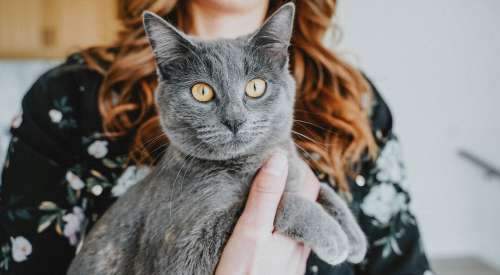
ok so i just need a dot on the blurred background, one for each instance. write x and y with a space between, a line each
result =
436 62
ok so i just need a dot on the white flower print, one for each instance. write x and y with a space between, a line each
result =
74 181
131 176
390 165
98 149
96 190
17 121
55 115
21 248
383 202
73 224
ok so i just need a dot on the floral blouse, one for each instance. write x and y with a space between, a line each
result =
61 173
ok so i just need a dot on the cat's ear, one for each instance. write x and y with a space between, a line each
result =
276 32
168 43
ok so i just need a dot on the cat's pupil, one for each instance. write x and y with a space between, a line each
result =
255 86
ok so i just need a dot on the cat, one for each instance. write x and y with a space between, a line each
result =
225 106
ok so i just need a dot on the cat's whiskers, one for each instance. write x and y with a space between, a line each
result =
154 150
322 145
301 148
308 112
165 163
155 138
310 123
302 122
160 153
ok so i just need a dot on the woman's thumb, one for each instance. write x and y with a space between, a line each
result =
265 193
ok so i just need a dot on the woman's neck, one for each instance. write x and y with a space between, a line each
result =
211 21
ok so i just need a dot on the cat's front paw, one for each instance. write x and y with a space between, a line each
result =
334 247
339 210
307 222
359 247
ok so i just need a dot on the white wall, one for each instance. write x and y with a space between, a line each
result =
438 65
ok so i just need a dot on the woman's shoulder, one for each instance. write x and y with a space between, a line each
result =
380 115
61 107
69 89
71 78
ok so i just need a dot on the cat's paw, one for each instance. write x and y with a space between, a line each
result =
306 221
358 248
334 247
339 210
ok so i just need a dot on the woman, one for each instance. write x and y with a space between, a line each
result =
89 130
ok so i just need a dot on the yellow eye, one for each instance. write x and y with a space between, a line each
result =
255 88
202 92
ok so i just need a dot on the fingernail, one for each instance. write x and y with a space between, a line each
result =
276 165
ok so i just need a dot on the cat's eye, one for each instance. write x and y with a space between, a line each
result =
255 88
202 92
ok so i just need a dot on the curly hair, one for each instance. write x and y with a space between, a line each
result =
331 118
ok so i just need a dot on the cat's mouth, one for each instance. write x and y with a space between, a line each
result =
227 138
227 141
216 142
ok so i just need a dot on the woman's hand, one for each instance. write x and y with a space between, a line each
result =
253 247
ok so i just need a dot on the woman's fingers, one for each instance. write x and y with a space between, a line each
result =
303 260
253 245
265 194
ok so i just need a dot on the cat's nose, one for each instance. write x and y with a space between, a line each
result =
233 124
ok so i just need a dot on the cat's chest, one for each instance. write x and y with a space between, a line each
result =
201 191
203 186
221 187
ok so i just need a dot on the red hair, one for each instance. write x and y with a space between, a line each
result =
331 121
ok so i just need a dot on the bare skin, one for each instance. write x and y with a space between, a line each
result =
212 19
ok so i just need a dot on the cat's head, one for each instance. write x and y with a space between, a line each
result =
224 98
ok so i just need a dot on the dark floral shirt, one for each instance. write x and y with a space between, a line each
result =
61 173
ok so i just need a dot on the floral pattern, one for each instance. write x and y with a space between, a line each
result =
387 203
55 115
383 203
390 166
18 250
98 149
72 182
21 248
73 224
82 192
62 112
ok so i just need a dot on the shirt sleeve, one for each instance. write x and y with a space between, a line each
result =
37 224
380 199
395 245
382 202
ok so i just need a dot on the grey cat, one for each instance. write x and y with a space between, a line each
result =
177 220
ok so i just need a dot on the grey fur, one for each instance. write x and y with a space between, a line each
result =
177 220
